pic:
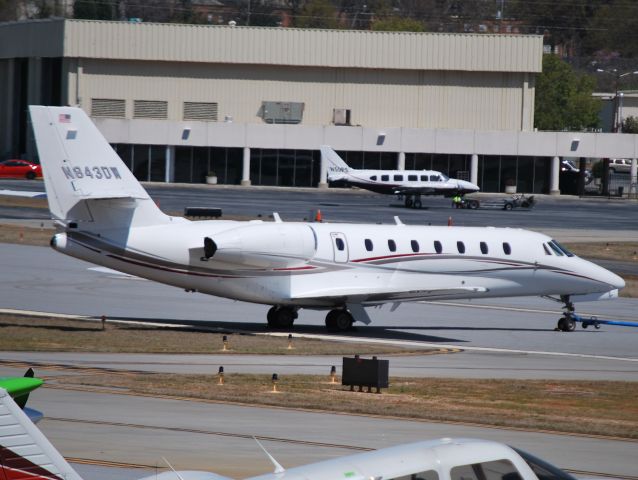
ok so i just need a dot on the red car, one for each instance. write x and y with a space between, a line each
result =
20 169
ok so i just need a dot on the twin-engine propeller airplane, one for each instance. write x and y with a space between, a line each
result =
107 218
25 453
410 184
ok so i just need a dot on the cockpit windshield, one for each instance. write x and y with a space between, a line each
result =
555 245
444 178
542 469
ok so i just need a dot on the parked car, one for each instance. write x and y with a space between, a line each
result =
619 165
20 169
567 166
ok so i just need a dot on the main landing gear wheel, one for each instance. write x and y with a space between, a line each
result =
281 317
339 320
409 201
417 203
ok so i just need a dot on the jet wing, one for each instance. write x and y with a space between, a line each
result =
415 190
375 296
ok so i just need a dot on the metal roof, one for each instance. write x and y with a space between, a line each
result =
271 46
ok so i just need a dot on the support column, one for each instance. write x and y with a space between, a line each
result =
34 97
474 169
169 172
401 161
245 169
323 173
633 178
554 176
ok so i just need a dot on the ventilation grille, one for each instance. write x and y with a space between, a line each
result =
200 111
108 107
150 109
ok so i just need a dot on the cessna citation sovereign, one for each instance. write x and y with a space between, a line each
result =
410 184
25 453
107 218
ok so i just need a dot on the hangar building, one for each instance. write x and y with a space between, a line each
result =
253 104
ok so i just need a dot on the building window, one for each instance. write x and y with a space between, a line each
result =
392 245
368 244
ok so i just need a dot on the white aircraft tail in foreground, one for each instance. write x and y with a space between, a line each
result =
408 183
25 453
107 218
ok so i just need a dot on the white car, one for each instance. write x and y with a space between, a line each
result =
619 165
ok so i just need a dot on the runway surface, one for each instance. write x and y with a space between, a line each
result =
511 338
217 437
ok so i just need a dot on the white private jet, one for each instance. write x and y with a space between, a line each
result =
108 219
410 184
25 453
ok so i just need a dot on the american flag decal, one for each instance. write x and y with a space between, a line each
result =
64 118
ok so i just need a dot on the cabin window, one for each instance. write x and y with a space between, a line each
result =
415 246
494 470
369 245
434 178
484 248
413 178
460 246
392 245
398 178
438 248
340 244
424 178
427 475
562 249
547 250
373 177
385 178
506 248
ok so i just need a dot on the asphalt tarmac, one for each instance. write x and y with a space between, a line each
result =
511 338
218 437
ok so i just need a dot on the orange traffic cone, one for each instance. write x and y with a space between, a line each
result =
318 217
449 221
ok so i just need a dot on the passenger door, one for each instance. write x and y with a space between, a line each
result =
340 247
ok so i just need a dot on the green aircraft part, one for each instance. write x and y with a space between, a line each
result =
20 387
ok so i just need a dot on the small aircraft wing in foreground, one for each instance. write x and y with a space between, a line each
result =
26 453
411 184
19 389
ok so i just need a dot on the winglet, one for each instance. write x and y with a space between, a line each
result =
277 218
398 221
278 467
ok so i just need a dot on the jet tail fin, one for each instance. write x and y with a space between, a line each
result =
84 178
24 451
336 166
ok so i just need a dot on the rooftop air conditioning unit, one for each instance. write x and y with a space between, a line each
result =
341 116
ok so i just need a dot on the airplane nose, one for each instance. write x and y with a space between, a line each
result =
469 186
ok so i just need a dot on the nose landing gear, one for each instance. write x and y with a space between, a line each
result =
567 323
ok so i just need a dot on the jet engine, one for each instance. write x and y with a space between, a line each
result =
263 246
